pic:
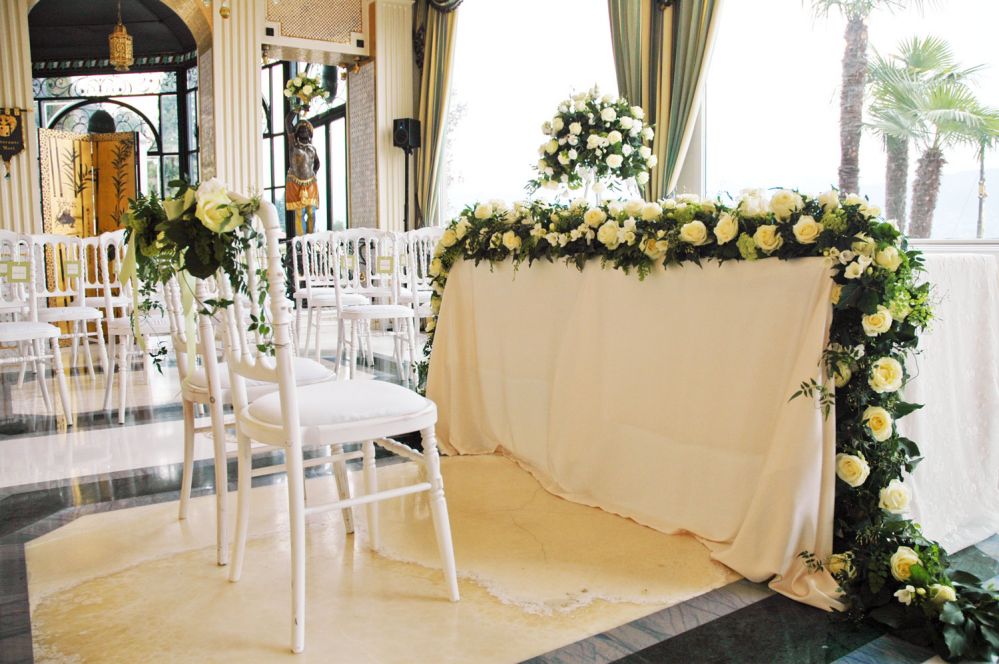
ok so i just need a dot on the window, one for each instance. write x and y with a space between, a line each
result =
514 62
772 103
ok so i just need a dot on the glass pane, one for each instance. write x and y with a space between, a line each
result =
192 77
319 140
169 123
277 99
337 173
193 166
171 170
153 175
279 202
192 120
278 157
105 85
268 180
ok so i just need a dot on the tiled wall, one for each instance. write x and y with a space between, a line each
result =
326 20
361 138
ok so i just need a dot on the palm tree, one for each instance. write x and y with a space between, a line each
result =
892 113
949 114
851 96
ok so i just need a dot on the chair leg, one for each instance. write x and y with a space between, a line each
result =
109 378
221 483
370 487
39 368
343 488
296 509
308 332
102 350
88 355
74 338
187 476
438 510
370 347
298 323
340 332
24 365
353 347
244 462
60 379
319 322
123 346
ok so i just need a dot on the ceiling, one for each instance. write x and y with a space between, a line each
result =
79 29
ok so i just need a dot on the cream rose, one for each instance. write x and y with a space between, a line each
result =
608 234
642 177
557 124
768 238
727 228
894 498
435 267
651 211
594 217
886 375
841 564
449 238
175 207
216 211
877 323
888 258
461 228
614 160
784 203
806 229
511 241
879 421
834 295
608 114
852 469
614 137
753 203
694 232
653 248
902 561
633 208
483 211
864 245
940 593
829 200
551 147
575 129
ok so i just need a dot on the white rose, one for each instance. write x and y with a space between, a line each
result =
608 234
902 561
461 228
563 158
630 237
853 271
694 232
615 209
841 564
216 211
727 228
940 593
864 245
593 141
654 248
651 211
888 258
852 469
307 90
626 149
614 160
211 187
642 177
806 229
572 140
652 161
483 211
877 323
637 112
575 128
551 147
511 241
573 154
842 374
435 267
878 421
645 152
449 238
784 203
626 122
614 137
895 497
648 134
557 124
886 375
608 114
768 238
829 200
752 203
854 199
870 210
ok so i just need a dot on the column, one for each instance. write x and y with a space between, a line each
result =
393 54
236 56
19 201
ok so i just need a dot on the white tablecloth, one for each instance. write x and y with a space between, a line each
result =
956 488
664 400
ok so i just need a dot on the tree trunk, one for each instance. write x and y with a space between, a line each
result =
925 189
980 233
896 178
851 104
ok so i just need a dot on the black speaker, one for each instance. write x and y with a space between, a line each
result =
406 133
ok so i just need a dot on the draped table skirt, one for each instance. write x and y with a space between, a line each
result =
665 400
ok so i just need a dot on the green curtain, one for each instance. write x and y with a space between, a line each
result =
662 47
438 37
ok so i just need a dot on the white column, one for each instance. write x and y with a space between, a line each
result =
393 55
236 55
19 201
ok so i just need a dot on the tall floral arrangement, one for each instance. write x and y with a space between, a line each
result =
597 137
884 565
303 89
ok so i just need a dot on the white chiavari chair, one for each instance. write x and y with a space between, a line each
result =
329 413
420 244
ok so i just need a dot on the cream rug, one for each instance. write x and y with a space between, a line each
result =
537 572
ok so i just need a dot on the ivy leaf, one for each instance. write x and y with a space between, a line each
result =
966 578
954 638
869 302
902 408
951 615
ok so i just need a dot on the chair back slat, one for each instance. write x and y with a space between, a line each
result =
17 280
59 266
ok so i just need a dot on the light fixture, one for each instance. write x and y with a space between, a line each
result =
120 43
225 11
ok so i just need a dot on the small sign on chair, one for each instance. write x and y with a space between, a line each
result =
18 272
348 263
4 269
71 269
385 265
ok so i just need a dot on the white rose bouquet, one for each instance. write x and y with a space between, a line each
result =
302 90
594 135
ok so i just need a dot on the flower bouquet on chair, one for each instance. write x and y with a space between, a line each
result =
594 138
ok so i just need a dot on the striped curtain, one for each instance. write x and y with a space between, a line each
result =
661 50
438 33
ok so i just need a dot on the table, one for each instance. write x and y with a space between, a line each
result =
663 400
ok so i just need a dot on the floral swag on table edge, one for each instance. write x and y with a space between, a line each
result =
884 566
190 235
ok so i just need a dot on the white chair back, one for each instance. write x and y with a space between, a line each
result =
59 267
111 259
370 260
17 276
421 245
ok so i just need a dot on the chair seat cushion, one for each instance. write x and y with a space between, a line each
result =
72 313
328 299
153 326
307 371
26 331
116 301
376 311
342 402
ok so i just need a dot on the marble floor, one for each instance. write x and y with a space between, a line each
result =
59 487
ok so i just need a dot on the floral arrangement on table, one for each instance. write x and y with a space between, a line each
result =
302 89
594 137
883 564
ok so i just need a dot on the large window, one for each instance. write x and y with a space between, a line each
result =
772 102
160 106
514 62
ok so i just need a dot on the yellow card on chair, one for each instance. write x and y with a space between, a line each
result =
348 263
385 265
17 272
4 269
71 269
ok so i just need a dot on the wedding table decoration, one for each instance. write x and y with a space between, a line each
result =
882 563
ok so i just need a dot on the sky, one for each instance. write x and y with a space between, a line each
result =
772 94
